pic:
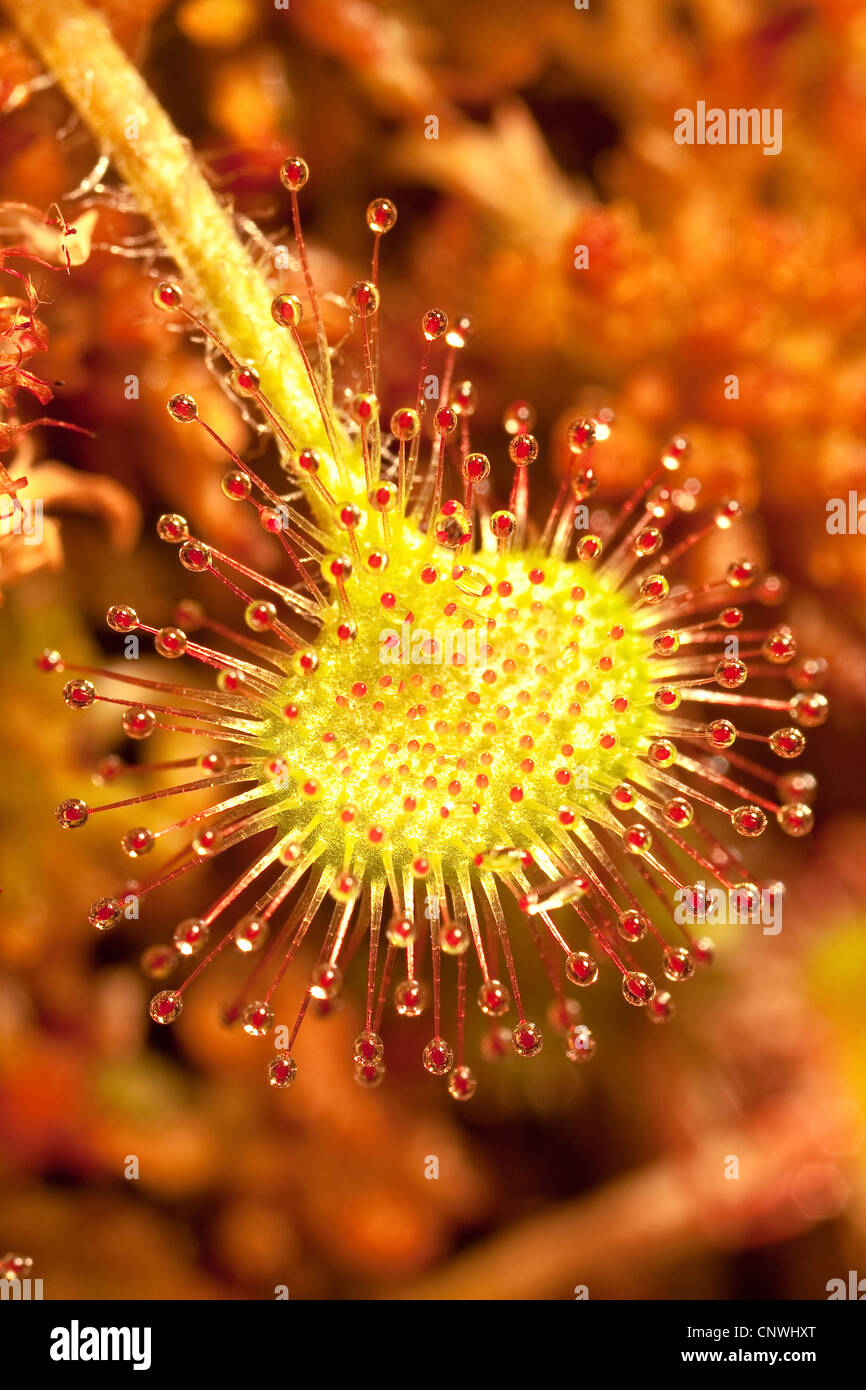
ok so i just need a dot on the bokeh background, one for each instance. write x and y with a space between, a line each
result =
555 131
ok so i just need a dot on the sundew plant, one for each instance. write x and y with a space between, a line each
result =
454 726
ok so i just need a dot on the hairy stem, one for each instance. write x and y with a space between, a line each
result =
219 276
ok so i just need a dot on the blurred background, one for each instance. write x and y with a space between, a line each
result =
555 132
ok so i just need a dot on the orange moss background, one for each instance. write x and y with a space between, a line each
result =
555 132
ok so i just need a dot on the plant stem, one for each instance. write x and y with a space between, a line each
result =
615 1237
220 279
